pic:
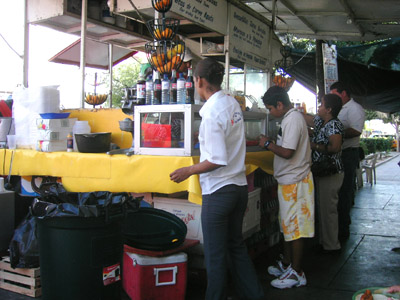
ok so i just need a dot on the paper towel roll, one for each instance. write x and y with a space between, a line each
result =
2 189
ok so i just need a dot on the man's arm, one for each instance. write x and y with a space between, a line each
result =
184 173
309 120
278 150
350 133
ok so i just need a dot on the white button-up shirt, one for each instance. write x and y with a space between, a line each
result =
222 142
352 115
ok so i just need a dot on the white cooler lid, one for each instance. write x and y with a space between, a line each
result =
145 260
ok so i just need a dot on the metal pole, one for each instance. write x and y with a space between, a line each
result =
244 79
83 50
226 51
25 71
319 72
227 62
271 33
110 70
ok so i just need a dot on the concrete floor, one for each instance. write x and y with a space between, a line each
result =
369 258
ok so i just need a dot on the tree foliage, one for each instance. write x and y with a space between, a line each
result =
125 75
309 44
371 115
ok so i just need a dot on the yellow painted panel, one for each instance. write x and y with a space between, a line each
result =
105 120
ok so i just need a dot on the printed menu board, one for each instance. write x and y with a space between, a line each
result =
212 14
330 65
248 38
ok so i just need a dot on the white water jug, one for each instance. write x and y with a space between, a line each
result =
80 127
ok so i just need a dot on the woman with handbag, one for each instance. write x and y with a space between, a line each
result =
327 168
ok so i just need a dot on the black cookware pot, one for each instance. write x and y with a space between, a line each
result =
97 142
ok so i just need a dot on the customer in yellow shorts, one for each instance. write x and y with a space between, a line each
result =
292 163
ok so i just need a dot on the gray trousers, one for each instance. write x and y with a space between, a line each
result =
221 218
350 158
327 198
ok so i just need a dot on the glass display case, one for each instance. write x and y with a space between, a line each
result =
167 129
173 129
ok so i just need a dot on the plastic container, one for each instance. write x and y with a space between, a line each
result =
153 229
165 87
173 89
180 89
80 127
80 258
70 142
189 88
141 91
147 277
149 90
156 89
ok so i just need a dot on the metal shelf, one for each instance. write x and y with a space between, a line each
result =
54 14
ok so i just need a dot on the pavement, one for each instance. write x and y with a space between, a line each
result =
369 258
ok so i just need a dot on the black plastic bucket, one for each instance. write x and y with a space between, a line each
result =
153 229
80 258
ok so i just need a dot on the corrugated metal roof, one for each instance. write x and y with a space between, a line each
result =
346 20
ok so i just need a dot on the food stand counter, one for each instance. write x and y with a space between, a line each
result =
87 172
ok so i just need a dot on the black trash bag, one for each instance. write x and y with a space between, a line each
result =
24 245
55 201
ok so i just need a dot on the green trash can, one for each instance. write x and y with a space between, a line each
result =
80 258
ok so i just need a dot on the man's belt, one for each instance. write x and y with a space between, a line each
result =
350 149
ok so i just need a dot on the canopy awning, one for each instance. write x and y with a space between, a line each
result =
345 20
96 54
371 73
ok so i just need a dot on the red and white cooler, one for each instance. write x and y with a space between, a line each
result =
148 277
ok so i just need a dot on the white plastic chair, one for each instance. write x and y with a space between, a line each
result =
368 164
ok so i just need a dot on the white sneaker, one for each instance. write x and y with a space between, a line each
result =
289 279
278 269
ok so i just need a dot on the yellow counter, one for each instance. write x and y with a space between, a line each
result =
88 172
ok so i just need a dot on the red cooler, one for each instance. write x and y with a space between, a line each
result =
148 277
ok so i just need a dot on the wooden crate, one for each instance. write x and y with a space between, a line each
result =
21 281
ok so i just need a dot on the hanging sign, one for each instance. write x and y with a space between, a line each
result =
248 38
329 56
212 14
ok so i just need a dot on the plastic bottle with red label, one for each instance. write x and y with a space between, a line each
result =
157 89
180 90
141 91
149 90
165 88
189 87
173 89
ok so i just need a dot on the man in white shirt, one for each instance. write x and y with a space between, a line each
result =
352 115
224 186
